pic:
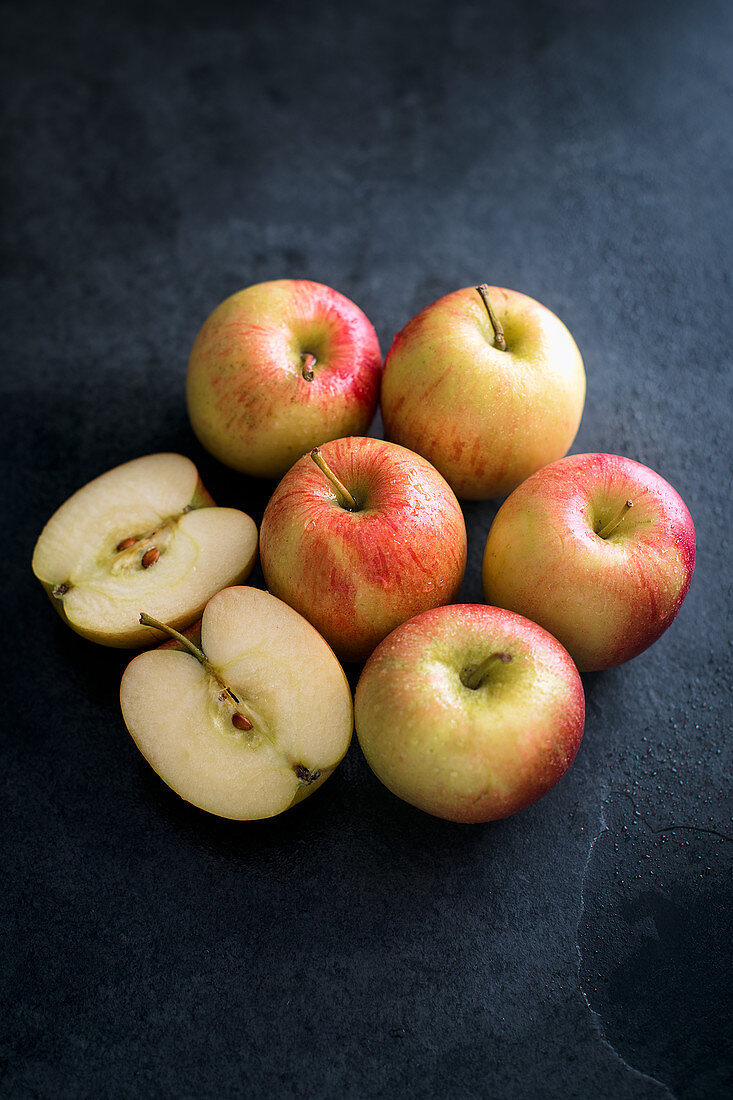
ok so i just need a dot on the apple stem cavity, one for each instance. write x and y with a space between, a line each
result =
473 678
499 337
612 524
309 362
239 721
345 498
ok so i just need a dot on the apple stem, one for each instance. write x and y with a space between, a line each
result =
345 498
499 337
612 524
309 362
156 624
475 676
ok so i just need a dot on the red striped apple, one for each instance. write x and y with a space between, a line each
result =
361 541
145 534
488 385
469 712
278 369
247 719
596 548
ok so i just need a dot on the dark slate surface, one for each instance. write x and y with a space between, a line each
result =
159 157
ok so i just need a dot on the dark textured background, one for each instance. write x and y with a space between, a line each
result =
155 159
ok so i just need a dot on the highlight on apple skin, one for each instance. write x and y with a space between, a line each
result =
145 533
363 540
469 712
279 368
488 385
248 718
599 550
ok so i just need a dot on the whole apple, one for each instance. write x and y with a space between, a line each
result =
596 548
469 712
488 385
361 541
279 368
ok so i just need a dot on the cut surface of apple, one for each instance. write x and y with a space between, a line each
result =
254 727
143 535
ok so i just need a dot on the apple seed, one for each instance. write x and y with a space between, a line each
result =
150 557
240 722
126 543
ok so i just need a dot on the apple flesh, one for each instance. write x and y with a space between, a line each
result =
251 725
604 577
469 712
145 534
356 572
279 368
486 401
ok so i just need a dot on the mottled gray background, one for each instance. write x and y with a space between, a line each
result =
157 157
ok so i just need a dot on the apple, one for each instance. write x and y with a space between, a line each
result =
360 536
145 534
470 713
249 721
488 385
278 369
596 548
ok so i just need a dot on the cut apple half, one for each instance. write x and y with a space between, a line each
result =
145 534
251 720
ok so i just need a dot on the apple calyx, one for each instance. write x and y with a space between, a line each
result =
309 362
499 337
612 524
343 495
473 678
239 721
304 775
59 591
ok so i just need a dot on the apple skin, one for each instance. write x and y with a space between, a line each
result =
485 418
356 575
248 401
605 599
464 754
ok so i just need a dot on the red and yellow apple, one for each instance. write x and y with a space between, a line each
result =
488 385
279 368
469 712
362 543
596 548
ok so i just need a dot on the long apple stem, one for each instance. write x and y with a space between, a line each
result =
345 498
475 676
499 337
612 524
240 721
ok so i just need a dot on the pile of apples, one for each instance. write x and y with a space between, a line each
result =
470 712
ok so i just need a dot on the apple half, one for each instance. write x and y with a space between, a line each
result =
144 534
251 721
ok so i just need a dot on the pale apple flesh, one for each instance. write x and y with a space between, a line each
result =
145 534
279 368
356 574
606 587
266 665
485 418
469 712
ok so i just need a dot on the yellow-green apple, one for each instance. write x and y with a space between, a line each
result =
596 548
488 385
469 712
279 368
362 539
247 719
145 534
